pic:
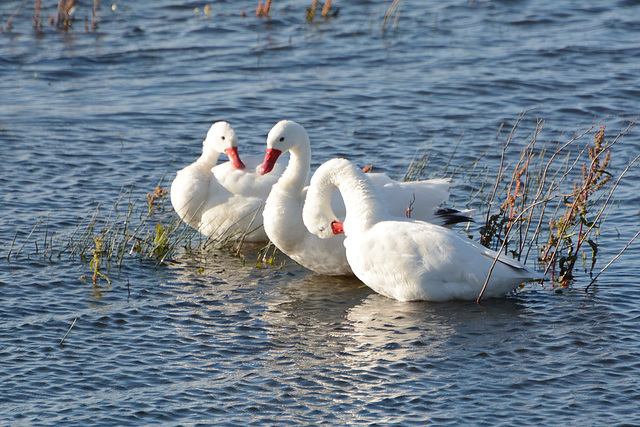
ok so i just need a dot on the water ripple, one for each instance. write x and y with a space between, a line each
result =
210 341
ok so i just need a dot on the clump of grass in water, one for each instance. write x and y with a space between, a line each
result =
561 251
127 228
149 231
65 12
548 201
267 257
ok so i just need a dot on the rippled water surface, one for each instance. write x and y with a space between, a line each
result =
199 341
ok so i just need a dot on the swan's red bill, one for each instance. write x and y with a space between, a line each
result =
337 227
234 158
269 160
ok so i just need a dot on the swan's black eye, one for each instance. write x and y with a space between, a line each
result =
222 137
281 138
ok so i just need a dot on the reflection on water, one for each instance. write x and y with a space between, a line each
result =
385 329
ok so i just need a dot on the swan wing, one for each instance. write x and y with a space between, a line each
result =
410 260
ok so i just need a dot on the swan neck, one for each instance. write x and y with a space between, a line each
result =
361 199
208 159
297 172
362 202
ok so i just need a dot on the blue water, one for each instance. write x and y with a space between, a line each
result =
202 341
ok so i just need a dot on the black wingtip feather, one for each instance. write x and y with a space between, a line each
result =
452 216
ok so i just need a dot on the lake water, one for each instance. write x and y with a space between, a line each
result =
203 341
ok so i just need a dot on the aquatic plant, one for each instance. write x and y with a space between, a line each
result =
157 194
310 12
63 17
561 250
392 12
94 265
8 25
131 229
551 202
36 16
263 9
268 257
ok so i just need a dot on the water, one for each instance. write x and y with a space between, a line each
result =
212 341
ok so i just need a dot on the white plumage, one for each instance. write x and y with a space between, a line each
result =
223 201
401 258
283 210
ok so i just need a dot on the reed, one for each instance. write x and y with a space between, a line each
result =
134 228
393 13
8 25
550 204
66 9
263 9
157 194
269 257
310 11
63 18
37 22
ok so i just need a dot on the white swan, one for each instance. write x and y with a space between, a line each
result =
403 258
283 210
223 201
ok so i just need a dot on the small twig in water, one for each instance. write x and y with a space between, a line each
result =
612 260
8 25
65 335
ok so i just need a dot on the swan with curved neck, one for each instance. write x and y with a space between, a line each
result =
283 210
403 258
222 201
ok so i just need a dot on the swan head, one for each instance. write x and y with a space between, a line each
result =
284 136
221 138
322 225
317 214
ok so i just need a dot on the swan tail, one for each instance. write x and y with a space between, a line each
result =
449 217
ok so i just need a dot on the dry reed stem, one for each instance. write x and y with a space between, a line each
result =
69 330
263 9
325 9
36 15
8 24
394 9
94 15
612 260
549 180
